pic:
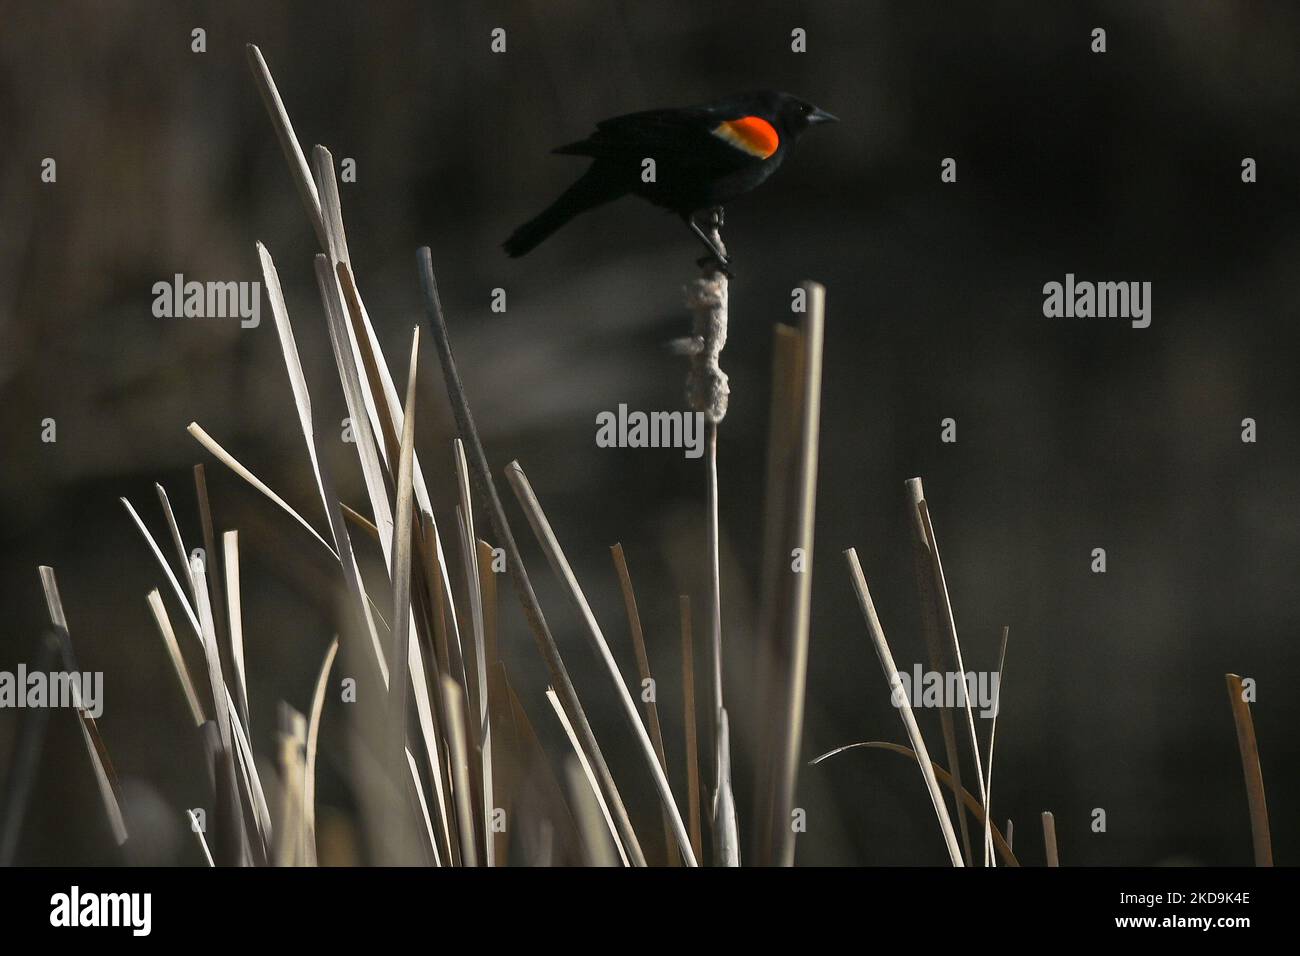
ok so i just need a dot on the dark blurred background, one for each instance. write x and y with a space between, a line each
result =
1072 433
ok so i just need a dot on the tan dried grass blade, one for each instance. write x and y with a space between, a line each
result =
993 731
782 440
937 649
401 567
560 565
460 767
174 529
288 140
229 460
174 653
799 611
1049 839
236 840
692 733
234 609
313 742
479 687
210 550
424 806
949 623
591 813
162 563
198 835
490 500
643 667
1003 846
1249 747
904 706
290 847
532 770
593 787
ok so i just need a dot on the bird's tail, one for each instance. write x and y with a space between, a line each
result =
590 190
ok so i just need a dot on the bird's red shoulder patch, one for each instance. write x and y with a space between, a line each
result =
751 134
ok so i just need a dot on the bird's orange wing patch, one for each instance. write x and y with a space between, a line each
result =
753 134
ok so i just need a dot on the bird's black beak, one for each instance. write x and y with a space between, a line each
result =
821 116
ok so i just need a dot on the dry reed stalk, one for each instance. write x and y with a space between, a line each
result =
342 552
430 699
585 822
166 568
497 792
949 623
288 140
438 604
1001 845
692 735
360 366
488 585
174 654
229 460
234 848
310 749
321 202
250 786
177 542
993 730
197 830
490 501
726 825
413 661
904 706
643 668
247 777
248 783
782 444
1254 773
937 655
708 392
215 561
591 813
402 616
799 609
290 842
424 807
481 752
538 786
234 608
715 570
560 565
458 745
1049 839
947 617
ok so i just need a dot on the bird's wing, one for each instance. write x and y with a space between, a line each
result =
680 136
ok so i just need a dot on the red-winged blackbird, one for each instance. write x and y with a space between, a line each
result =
704 156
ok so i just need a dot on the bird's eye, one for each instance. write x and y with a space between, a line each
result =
805 108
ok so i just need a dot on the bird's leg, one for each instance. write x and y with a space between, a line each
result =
713 242
714 251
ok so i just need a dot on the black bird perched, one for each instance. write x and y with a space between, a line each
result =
703 157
